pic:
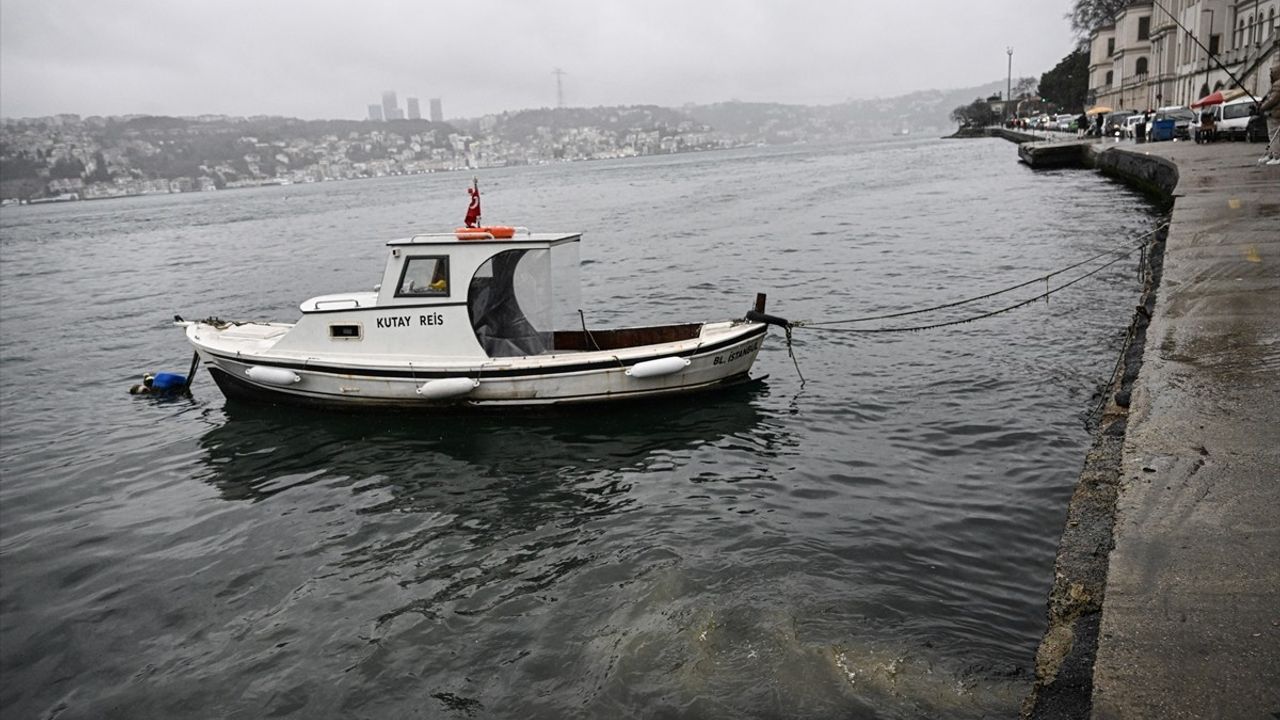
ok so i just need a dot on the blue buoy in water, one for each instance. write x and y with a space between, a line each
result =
160 384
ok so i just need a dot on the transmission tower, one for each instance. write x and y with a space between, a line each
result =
559 86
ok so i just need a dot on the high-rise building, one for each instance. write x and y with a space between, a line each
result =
375 112
437 111
415 113
390 107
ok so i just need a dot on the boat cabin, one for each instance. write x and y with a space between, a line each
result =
445 296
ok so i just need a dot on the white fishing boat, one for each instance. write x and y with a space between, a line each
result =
477 317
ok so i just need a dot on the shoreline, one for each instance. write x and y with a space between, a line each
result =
1162 602
1065 659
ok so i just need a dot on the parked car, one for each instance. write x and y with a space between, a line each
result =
1111 124
1182 118
1064 122
1128 129
1233 118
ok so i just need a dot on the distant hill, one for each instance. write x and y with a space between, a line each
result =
107 157
923 110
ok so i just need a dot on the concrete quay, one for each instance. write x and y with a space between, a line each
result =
1182 618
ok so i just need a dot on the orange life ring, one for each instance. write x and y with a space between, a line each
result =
497 232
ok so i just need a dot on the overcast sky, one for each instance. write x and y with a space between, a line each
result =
322 59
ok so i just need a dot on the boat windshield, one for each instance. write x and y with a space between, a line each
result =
510 303
566 291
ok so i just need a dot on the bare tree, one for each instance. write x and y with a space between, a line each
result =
1089 15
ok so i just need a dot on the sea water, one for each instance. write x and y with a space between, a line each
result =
876 541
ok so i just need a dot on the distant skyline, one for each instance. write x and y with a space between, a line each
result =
327 60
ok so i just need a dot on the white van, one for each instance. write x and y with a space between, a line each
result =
1232 118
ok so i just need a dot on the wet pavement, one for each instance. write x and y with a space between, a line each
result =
1190 622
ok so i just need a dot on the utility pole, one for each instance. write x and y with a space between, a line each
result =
1008 89
559 86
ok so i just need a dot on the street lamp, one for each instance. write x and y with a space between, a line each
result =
1160 76
1008 88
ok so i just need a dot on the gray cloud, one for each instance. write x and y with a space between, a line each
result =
329 60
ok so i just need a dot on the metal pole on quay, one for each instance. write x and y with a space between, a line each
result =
1008 87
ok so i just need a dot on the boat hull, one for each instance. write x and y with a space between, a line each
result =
723 359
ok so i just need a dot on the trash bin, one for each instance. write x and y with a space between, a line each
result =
1162 130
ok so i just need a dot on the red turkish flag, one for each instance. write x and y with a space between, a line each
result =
473 210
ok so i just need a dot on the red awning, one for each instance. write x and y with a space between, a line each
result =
1217 98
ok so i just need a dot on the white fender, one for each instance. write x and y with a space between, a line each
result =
273 375
447 388
658 368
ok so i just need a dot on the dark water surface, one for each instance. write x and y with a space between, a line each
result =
878 543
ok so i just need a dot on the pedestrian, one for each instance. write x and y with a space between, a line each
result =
1207 125
1271 105
1140 130
1082 125
1098 125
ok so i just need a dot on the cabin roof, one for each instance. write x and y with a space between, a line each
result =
520 237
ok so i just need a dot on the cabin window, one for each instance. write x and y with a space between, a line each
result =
424 276
345 332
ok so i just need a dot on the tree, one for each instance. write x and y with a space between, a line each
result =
1067 84
1089 15
976 114
19 167
100 172
67 168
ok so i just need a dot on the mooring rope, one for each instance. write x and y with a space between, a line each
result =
1015 306
821 325
791 351
1115 372
824 326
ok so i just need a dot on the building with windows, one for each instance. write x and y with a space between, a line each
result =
375 112
1173 52
415 112
1102 74
437 111
390 106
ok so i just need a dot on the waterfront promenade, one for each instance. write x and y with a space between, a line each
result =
1191 617
1190 598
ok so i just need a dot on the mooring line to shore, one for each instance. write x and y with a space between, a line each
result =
825 325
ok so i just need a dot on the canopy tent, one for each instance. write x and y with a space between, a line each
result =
1219 97
1098 110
